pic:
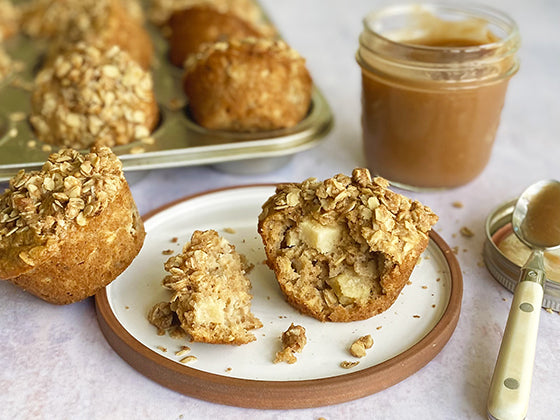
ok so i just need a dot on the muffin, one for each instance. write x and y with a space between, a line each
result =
195 26
247 85
105 22
69 229
93 96
9 20
210 288
161 10
343 249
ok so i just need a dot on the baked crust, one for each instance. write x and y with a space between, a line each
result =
343 249
247 85
70 229
89 95
204 24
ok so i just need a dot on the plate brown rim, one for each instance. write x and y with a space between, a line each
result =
282 394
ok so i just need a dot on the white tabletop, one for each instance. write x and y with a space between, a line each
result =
55 363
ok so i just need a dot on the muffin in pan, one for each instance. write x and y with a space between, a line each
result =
70 228
344 248
252 84
195 26
9 20
89 95
159 11
105 22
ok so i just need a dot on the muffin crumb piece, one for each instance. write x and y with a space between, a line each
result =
348 365
293 341
358 347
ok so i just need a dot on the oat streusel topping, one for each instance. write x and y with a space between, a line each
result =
89 95
385 220
70 188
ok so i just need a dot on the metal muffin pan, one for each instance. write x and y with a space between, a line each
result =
178 140
506 272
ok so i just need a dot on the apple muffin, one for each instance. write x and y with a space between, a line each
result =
105 22
89 95
69 229
247 85
344 248
192 28
160 11
211 298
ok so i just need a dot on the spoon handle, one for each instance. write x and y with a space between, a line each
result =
511 383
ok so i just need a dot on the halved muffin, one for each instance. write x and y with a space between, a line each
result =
211 291
343 249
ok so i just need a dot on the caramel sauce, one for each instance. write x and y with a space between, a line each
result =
429 138
426 133
541 225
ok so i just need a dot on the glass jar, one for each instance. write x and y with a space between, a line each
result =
434 79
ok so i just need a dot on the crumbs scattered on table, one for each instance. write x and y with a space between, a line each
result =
409 283
127 307
433 306
175 239
348 365
31 144
184 350
415 316
358 347
457 204
162 349
13 132
188 359
228 369
229 230
167 252
46 148
148 140
455 250
438 279
379 327
424 287
466 232
549 310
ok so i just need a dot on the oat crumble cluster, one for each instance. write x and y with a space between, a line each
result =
344 248
358 347
252 84
70 188
211 298
92 96
293 341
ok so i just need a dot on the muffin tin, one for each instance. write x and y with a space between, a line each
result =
178 140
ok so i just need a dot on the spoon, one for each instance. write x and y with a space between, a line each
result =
536 222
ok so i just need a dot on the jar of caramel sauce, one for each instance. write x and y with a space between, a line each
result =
434 79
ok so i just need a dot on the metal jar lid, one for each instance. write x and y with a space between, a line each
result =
498 227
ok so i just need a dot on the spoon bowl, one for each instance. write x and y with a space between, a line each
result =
536 222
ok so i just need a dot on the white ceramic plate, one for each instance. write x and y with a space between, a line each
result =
233 213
